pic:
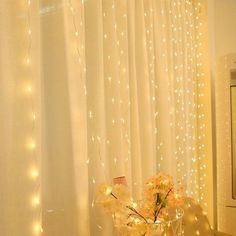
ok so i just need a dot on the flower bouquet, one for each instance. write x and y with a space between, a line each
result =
157 214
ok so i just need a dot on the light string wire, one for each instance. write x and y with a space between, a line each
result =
79 54
197 173
83 76
31 142
192 126
195 55
200 105
164 19
149 19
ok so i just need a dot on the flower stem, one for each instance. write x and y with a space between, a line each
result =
137 213
132 209
113 195
161 205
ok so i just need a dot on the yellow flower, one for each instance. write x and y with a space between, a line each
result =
122 193
104 189
137 219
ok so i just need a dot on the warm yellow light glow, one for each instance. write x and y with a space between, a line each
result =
31 144
27 60
136 220
35 200
37 229
33 116
100 227
72 9
177 195
29 88
108 190
34 173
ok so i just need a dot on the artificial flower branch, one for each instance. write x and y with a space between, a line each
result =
160 196
113 196
132 209
161 205
135 211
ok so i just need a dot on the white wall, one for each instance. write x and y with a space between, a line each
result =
222 18
222 22
225 27
222 14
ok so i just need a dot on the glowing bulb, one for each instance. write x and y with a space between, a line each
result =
35 200
37 229
27 61
33 116
100 227
134 204
34 173
177 195
31 144
108 190
29 88
136 221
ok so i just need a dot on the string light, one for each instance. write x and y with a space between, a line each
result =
34 173
182 69
37 229
201 107
108 190
35 201
195 55
31 144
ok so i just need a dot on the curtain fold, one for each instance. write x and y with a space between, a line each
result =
95 89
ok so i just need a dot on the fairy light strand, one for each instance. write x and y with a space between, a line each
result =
201 106
31 144
185 85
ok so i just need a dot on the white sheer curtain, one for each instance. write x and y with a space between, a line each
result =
93 90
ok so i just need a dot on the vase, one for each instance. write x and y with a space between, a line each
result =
172 226
169 225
